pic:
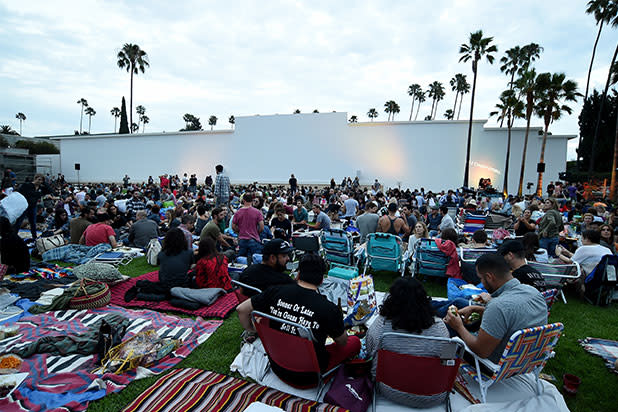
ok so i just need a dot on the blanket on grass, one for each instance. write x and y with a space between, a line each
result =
66 383
78 254
197 390
607 349
41 270
220 309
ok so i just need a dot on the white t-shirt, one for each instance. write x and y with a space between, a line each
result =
588 256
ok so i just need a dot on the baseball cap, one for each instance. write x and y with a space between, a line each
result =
277 247
513 246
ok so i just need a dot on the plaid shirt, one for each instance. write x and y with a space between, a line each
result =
134 206
222 187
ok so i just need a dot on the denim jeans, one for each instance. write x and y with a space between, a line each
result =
247 247
29 213
549 244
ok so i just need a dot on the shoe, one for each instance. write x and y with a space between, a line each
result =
130 294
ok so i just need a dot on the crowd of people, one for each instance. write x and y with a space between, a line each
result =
230 221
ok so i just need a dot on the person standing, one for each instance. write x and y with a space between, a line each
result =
550 226
125 181
32 191
293 184
248 222
222 187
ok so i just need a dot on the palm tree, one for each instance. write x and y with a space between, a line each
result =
413 90
116 113
84 103
463 88
440 93
232 121
140 110
90 112
134 127
134 60
6 129
391 107
511 108
387 109
145 120
477 47
353 119
212 121
613 182
396 109
315 111
552 90
448 115
436 91
525 85
420 98
604 11
455 85
372 113
22 118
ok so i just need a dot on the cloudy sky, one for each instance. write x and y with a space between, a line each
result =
264 57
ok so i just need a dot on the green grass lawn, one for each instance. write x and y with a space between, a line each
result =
581 320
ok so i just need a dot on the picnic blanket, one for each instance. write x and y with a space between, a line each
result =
41 270
66 383
197 390
75 253
220 309
607 349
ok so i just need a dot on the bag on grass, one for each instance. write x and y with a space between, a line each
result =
90 295
352 393
43 244
102 272
152 251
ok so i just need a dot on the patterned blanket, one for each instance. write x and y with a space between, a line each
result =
607 349
184 390
78 254
66 383
41 271
220 309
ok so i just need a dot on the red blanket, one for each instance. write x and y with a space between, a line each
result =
220 309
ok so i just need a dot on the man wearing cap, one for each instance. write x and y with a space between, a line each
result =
275 256
514 254
301 303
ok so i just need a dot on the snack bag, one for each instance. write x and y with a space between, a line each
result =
361 300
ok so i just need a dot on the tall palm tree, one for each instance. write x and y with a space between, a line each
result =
22 118
145 120
212 121
436 91
90 112
372 113
456 85
463 87
413 90
134 60
387 109
477 47
84 103
395 109
420 98
525 85
511 108
232 121
140 110
604 11
116 113
439 96
614 182
552 90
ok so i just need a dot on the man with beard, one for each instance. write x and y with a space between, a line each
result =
270 272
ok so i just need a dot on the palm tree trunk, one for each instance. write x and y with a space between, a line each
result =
436 112
143 127
539 183
594 51
81 117
523 155
131 103
510 88
412 109
433 102
460 102
89 123
455 105
115 123
612 186
20 127
417 109
597 126
505 188
467 171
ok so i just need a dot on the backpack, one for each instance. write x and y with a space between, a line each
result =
152 251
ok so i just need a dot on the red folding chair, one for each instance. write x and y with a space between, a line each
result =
241 289
293 350
419 375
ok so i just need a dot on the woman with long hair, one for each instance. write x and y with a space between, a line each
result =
406 309
211 268
419 232
533 249
550 226
607 237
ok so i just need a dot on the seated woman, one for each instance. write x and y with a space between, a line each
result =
420 232
406 309
533 249
13 250
211 268
58 224
607 238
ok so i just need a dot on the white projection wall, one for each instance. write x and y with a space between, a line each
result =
316 147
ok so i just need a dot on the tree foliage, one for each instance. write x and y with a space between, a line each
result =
37 147
607 129
6 129
3 142
192 123
124 122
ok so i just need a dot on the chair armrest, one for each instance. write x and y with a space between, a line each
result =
244 285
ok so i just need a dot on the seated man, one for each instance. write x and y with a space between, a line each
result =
515 255
433 221
275 256
512 307
322 221
225 243
98 233
78 225
368 222
300 214
447 220
280 225
143 230
392 224
301 301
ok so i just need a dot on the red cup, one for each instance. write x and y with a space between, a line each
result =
571 383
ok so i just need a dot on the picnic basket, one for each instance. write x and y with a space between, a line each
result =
90 294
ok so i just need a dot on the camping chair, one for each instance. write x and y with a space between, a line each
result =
472 223
338 246
295 353
550 296
556 276
526 352
240 294
384 252
419 375
601 282
430 260
302 243
498 220
452 211
470 255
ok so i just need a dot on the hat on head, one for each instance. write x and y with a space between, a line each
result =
513 246
277 247
472 202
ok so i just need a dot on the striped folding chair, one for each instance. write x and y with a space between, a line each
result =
526 352
470 255
550 296
472 223
557 275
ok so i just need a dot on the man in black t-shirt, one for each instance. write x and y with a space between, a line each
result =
301 303
275 256
515 255
280 221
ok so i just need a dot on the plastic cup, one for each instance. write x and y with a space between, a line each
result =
571 383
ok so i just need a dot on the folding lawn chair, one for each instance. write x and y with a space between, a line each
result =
472 223
550 296
278 344
470 255
526 352
384 252
556 276
601 282
338 246
241 290
430 260
416 374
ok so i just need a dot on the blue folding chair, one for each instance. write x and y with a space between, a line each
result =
430 260
384 253
338 246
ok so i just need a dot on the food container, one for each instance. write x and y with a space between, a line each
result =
8 331
10 364
8 383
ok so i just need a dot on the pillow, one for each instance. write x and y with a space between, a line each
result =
102 272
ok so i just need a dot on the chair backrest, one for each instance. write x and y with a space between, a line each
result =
528 350
556 275
452 211
338 245
498 220
601 282
384 251
244 291
278 343
472 223
305 243
471 255
550 296
431 261
419 375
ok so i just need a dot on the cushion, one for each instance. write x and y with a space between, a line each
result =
102 272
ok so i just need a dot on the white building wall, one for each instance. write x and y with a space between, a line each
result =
315 147
48 163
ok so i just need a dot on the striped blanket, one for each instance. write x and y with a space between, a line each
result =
184 390
607 349
66 383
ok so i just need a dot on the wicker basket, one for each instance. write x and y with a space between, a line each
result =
83 300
